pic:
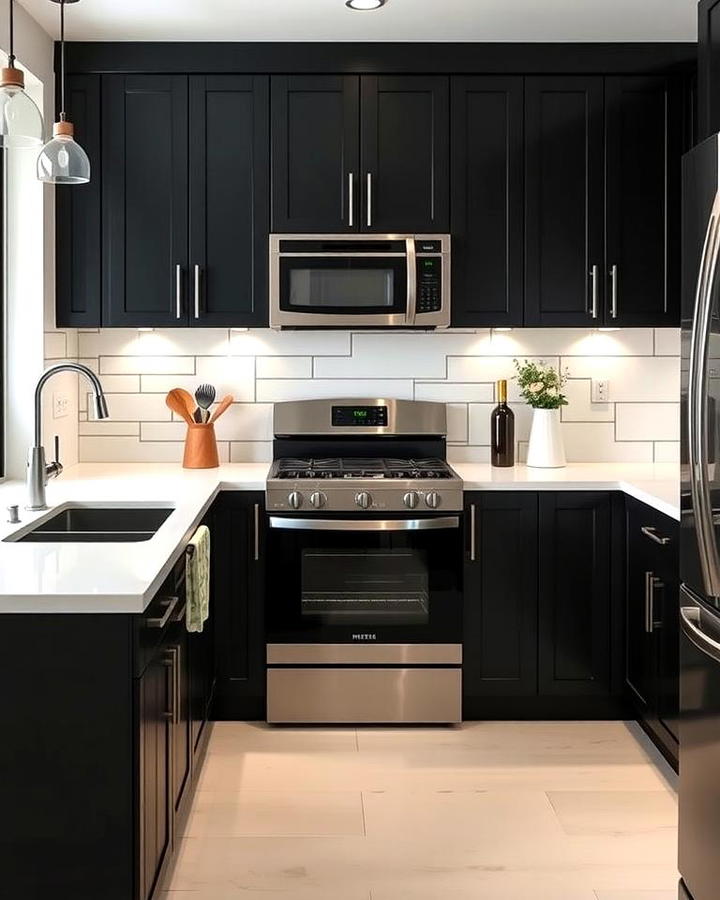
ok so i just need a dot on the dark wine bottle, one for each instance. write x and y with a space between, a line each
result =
502 431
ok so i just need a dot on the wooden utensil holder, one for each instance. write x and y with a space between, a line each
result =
201 450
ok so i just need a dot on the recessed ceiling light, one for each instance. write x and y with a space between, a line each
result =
365 4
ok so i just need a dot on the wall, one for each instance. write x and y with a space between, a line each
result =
30 249
639 424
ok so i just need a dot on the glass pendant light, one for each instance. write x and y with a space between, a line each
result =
21 125
62 160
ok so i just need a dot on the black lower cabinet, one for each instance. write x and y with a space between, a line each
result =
543 588
500 610
238 528
98 763
652 643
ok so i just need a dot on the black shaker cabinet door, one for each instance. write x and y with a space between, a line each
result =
575 593
487 201
144 188
708 68
315 153
644 145
78 215
228 200
564 200
405 139
500 612
154 705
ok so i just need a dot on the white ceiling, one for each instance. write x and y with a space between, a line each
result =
400 20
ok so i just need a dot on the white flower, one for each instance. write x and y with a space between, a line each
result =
536 387
552 392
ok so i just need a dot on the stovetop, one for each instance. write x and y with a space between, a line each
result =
362 484
353 467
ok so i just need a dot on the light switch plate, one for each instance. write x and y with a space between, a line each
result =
61 405
600 390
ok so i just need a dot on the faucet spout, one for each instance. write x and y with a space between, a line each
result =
38 471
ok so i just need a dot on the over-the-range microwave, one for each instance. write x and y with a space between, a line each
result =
359 281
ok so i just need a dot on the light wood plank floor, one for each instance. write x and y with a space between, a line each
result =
496 810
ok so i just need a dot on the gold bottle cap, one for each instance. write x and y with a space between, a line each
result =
502 391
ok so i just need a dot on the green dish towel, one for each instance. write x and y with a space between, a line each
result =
197 580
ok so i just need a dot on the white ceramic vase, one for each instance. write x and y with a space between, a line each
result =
546 450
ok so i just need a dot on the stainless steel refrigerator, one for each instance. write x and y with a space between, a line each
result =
699 805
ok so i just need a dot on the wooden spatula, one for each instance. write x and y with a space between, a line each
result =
222 406
178 404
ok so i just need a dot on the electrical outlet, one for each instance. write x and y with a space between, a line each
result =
600 390
61 405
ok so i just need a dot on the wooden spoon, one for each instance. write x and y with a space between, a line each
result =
222 406
178 404
188 400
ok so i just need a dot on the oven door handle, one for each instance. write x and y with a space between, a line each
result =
365 524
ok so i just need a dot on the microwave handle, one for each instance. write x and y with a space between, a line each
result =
411 281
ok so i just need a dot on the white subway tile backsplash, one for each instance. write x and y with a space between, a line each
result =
641 379
284 367
56 345
447 392
274 391
147 365
643 421
458 367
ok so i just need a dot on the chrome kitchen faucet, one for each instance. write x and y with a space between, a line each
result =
38 471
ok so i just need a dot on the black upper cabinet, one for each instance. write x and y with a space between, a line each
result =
487 201
184 237
315 153
644 143
360 153
564 180
405 154
708 68
228 200
78 215
575 594
145 191
500 615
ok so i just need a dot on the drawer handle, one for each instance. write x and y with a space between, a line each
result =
651 533
161 621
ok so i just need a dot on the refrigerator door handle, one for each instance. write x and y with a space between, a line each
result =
690 621
697 407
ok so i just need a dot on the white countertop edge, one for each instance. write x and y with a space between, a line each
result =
195 492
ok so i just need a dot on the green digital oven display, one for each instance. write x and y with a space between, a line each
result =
362 416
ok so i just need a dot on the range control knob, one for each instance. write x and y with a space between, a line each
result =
295 500
411 499
433 499
318 499
363 499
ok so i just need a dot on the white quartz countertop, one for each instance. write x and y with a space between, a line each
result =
124 577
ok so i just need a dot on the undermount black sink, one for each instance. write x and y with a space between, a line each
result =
98 524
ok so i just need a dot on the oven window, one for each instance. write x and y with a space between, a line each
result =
354 288
365 587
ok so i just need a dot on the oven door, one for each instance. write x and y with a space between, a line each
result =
358 287
364 580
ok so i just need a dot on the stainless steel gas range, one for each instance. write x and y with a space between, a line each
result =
364 572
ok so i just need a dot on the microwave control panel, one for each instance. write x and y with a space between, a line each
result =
429 282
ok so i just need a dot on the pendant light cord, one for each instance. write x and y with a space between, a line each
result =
11 56
62 60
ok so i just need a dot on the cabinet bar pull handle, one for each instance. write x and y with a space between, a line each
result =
351 199
257 531
178 292
594 277
614 297
162 621
650 533
197 292
472 532
369 199
648 602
